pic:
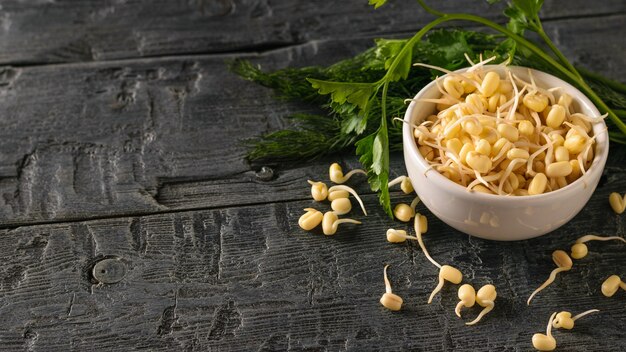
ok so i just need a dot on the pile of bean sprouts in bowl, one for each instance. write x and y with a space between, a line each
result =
503 152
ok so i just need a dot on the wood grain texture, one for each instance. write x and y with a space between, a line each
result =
140 161
248 278
89 30
95 140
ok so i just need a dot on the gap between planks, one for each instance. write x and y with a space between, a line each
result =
16 225
265 48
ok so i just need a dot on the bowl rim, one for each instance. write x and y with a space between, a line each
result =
599 129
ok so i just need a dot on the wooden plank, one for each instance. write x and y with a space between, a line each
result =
580 48
90 30
247 278
99 140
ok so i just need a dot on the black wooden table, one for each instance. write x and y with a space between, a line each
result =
130 220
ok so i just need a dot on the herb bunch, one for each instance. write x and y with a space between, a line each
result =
361 95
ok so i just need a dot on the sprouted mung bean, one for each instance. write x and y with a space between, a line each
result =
390 300
319 190
611 285
341 206
405 184
396 236
333 189
336 194
485 297
405 212
336 173
399 236
309 220
545 342
579 250
467 298
563 263
331 222
564 320
617 202
502 126
446 273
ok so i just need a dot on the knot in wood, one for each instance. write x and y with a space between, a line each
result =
265 174
109 271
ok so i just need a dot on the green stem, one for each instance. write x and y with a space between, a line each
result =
429 9
603 107
616 86
383 188
410 44
383 106
620 113
616 137
557 52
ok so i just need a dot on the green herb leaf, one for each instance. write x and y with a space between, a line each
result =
312 136
355 122
377 3
524 14
446 48
356 93
386 51
530 8
375 158
364 148
401 70
378 153
518 22
289 83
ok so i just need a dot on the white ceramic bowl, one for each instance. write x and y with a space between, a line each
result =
496 217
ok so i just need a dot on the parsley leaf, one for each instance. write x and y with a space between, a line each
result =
377 3
524 14
375 158
356 93
530 8
401 70
446 49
